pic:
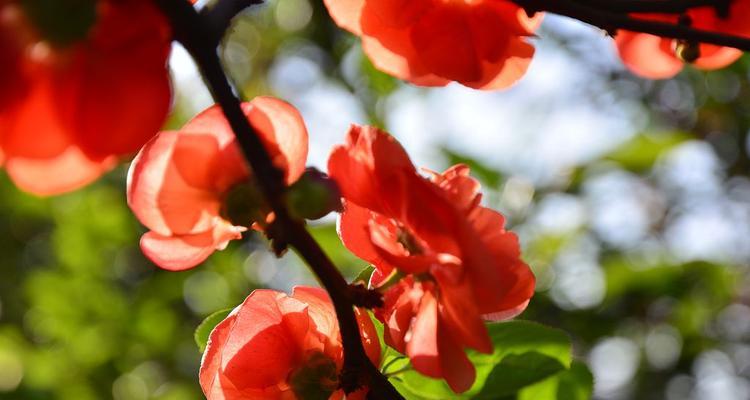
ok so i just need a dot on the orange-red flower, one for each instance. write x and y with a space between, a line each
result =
275 346
453 263
479 43
193 189
655 57
79 93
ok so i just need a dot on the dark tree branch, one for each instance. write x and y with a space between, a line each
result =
612 21
192 30
652 6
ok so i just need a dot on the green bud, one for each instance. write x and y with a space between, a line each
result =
313 196
243 205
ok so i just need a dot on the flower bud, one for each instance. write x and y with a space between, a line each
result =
314 195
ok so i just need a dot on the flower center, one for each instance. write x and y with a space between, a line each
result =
316 379
244 205
407 239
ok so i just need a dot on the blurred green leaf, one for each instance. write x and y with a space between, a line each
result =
488 175
328 239
518 371
380 83
524 353
575 383
203 331
641 152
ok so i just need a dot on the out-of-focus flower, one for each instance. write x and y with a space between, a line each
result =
655 57
83 84
192 188
481 44
445 263
275 346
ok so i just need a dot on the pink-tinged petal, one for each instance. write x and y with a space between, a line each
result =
505 282
389 61
371 161
320 309
399 13
168 185
446 44
422 347
282 127
278 123
398 315
354 230
645 55
430 215
178 253
35 114
262 351
461 188
460 314
391 50
518 292
456 368
211 360
68 171
515 20
211 121
370 339
101 91
385 239
506 71
346 13
506 314
715 57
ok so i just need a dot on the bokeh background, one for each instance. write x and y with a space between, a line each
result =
631 198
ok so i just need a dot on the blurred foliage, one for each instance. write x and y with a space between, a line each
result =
83 315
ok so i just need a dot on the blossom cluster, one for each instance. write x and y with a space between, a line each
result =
443 263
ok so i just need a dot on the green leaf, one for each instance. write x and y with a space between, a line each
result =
378 81
575 383
518 371
328 239
364 275
641 152
524 353
204 328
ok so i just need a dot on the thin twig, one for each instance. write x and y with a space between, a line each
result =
612 21
650 6
190 29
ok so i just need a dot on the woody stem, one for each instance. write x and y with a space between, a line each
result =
193 30
605 16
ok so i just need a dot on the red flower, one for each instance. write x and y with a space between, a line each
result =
192 187
655 57
454 263
79 98
481 44
275 346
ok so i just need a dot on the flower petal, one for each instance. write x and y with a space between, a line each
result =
169 183
346 13
181 252
644 55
